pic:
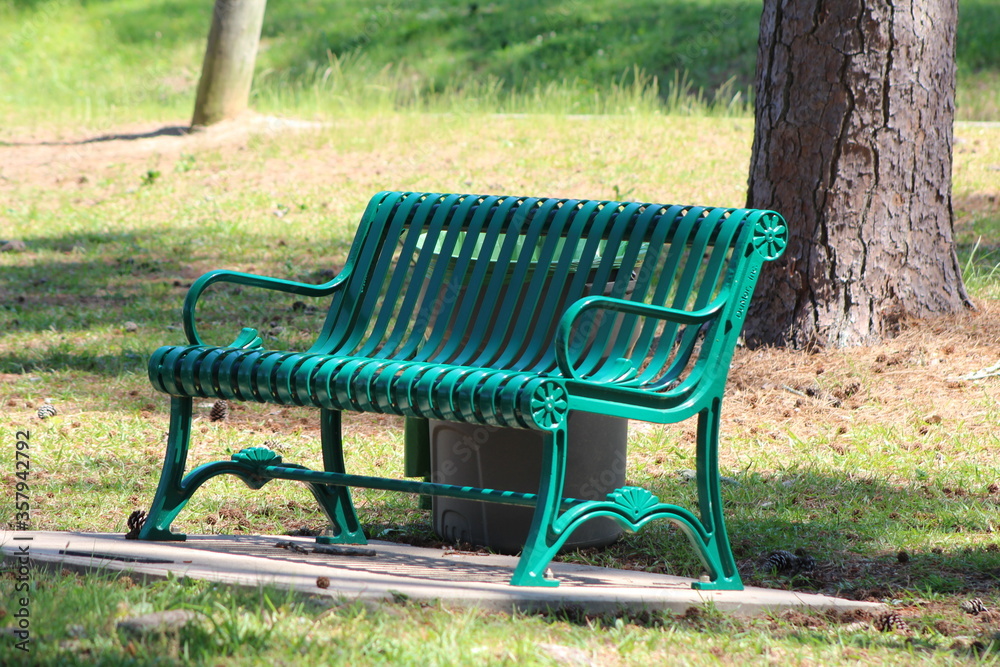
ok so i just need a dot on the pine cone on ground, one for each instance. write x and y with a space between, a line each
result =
136 520
785 562
220 411
779 561
806 563
891 622
46 411
973 606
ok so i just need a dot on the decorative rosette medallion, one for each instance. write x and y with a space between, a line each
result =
770 236
549 405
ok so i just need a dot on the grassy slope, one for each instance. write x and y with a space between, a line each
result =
67 60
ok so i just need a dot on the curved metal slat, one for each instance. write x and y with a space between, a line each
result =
344 311
506 330
479 289
418 264
565 282
619 266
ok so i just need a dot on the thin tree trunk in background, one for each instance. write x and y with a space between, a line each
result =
853 145
227 72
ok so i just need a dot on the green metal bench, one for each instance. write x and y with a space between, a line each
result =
502 311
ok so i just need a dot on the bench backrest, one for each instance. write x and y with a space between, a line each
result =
478 280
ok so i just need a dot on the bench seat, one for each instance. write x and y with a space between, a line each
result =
514 399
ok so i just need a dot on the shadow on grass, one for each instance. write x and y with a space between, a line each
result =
102 302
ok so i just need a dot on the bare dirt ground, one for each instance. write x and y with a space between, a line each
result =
49 158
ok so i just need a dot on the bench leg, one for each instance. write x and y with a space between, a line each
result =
716 552
336 500
170 496
543 543
633 508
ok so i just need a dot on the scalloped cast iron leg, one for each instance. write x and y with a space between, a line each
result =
716 552
336 500
170 496
542 543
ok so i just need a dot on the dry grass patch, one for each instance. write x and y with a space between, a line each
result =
914 380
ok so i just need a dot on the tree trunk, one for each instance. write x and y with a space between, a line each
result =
853 145
227 71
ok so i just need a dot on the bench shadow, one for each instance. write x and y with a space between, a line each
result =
417 567
857 530
856 556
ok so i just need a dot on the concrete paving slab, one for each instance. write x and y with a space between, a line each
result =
383 571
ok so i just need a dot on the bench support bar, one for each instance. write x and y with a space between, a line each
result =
554 521
175 489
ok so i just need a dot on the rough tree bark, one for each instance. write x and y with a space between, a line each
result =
853 145
227 71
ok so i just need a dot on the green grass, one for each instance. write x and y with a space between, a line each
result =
109 243
978 94
977 212
67 61
74 621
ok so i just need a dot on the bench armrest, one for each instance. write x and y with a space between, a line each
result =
251 280
627 369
